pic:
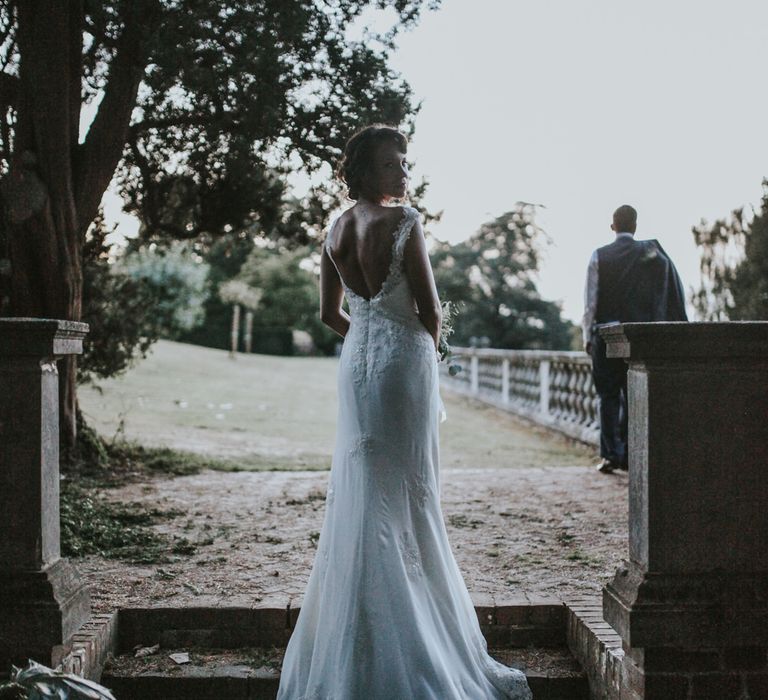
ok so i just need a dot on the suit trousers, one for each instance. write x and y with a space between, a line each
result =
610 377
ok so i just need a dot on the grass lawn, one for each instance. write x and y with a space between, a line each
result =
266 412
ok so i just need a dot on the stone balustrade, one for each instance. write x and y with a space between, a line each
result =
554 389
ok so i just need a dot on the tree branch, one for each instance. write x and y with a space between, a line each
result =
228 120
106 139
10 85
75 50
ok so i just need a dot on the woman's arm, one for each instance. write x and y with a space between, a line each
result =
418 271
331 296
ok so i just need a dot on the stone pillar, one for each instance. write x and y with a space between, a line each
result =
691 605
42 600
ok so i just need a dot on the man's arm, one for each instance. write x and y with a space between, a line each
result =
675 310
590 303
676 306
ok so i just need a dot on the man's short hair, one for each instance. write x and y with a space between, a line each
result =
625 218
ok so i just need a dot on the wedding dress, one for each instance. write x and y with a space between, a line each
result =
386 614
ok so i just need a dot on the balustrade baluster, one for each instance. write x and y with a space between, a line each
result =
552 388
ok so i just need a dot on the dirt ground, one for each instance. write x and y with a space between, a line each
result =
538 532
526 512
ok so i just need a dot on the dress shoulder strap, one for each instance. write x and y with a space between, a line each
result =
403 231
329 236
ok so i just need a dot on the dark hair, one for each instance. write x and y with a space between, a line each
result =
625 218
359 151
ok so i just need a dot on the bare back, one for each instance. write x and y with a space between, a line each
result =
362 247
370 250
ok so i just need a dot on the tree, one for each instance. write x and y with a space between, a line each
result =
290 298
131 302
190 93
492 277
734 266
179 278
238 293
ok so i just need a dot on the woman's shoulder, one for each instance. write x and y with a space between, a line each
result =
362 220
337 226
406 210
402 216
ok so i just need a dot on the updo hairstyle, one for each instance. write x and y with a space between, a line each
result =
359 152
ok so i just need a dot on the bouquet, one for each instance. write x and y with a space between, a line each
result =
444 352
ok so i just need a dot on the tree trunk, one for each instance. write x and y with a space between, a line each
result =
55 185
44 238
248 331
235 332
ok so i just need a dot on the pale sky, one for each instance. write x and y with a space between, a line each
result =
583 105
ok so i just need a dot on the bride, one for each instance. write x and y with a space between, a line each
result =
386 614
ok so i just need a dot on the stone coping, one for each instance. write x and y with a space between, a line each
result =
687 341
41 337
253 674
501 353
212 623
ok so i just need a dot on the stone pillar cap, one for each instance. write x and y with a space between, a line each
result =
41 337
683 340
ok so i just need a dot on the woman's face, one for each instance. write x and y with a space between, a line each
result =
388 174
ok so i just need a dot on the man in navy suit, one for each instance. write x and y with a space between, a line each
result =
627 281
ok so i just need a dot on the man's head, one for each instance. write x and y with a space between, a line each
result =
624 219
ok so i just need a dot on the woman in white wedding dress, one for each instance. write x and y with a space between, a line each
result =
386 614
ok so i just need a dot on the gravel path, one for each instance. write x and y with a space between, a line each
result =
537 531
541 522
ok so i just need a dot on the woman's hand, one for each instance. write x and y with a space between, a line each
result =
331 297
418 271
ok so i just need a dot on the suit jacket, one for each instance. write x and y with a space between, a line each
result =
637 281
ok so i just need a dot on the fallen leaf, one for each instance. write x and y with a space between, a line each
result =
147 651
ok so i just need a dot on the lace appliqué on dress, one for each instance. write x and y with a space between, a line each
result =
363 445
314 694
419 488
410 554
510 681
360 362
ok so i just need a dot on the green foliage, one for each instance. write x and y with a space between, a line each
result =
36 682
131 303
118 310
234 98
237 96
492 276
13 691
238 292
224 257
734 266
178 278
91 523
290 297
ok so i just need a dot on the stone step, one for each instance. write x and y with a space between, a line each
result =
253 674
210 624
596 646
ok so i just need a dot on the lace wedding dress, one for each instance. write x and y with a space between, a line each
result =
386 614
